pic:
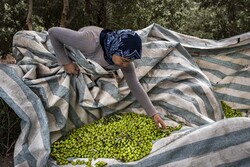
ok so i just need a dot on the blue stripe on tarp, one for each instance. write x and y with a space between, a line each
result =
29 37
110 88
170 47
242 73
58 116
203 147
199 91
25 122
145 32
240 163
74 118
54 110
231 98
186 54
179 67
168 34
160 45
189 116
177 92
197 43
240 87
80 87
214 72
238 56
25 155
36 104
224 50
196 149
56 88
147 61
219 62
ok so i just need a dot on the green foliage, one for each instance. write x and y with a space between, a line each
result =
214 19
232 17
126 137
229 112
47 13
12 18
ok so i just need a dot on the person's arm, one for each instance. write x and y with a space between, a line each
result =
140 94
60 36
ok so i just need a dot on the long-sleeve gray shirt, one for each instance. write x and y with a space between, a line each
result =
87 41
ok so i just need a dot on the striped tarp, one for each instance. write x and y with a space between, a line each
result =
225 62
50 103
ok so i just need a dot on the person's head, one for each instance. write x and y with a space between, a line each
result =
122 47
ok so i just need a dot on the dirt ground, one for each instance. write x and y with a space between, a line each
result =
7 59
7 161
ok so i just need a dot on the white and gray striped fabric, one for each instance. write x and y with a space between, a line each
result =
225 62
184 89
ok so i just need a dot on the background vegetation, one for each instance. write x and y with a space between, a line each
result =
214 19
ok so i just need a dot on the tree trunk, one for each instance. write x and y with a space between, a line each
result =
73 12
102 14
67 14
64 15
88 8
29 16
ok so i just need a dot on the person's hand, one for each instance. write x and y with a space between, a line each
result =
157 119
71 68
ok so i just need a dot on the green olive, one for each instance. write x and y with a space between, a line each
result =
125 137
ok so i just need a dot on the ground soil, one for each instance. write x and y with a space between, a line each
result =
7 59
7 161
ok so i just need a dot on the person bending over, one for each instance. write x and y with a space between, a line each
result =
113 50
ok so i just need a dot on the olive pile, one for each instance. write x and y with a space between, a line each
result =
125 137
229 112
88 163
